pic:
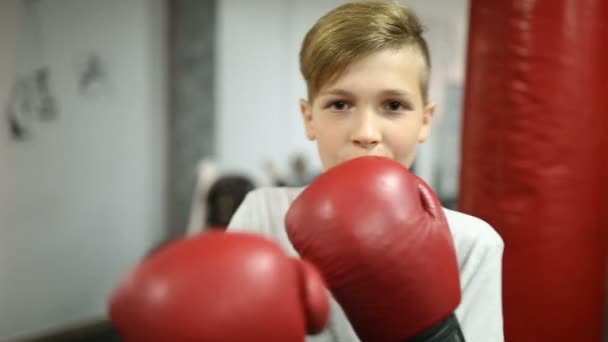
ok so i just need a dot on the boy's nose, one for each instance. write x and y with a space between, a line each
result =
366 131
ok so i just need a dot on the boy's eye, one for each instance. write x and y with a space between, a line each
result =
395 106
339 105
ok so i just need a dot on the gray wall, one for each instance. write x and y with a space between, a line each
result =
82 196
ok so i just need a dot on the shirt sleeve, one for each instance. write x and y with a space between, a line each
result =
480 312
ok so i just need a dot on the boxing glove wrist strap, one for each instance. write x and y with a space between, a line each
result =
447 330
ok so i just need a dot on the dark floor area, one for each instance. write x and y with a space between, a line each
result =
104 336
96 332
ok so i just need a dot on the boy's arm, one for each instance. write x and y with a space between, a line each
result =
480 312
253 217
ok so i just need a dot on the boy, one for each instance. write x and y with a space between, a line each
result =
367 68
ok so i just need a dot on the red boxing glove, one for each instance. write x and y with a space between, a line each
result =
379 237
220 287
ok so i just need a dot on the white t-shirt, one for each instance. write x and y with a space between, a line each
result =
479 251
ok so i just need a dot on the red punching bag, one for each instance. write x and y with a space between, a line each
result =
532 158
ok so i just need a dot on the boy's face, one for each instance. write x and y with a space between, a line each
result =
374 108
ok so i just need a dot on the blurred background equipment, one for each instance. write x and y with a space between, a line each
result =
225 196
216 197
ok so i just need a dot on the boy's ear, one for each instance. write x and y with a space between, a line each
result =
306 110
427 120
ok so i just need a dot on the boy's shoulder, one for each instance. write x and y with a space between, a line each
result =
469 231
271 200
263 210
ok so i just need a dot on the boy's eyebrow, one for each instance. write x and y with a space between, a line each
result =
386 92
339 92
395 92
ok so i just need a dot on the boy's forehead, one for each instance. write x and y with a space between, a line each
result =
386 69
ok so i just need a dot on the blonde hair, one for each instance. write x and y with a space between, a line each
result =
355 30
